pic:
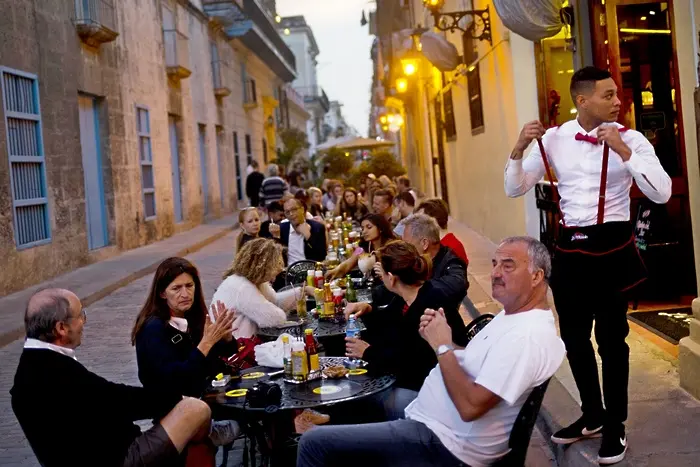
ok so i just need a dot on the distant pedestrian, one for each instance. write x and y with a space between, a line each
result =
273 188
253 183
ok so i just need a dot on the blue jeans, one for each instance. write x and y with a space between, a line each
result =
394 402
400 443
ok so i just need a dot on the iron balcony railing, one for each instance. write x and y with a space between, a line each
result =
97 12
315 93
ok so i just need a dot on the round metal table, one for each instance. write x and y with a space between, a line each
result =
297 396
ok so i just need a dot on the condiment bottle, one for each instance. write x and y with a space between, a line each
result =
300 363
311 350
287 357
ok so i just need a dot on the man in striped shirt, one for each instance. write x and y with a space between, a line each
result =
273 187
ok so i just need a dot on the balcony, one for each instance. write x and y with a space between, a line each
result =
177 55
220 70
315 96
95 22
255 29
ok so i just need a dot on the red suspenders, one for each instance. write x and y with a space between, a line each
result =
603 179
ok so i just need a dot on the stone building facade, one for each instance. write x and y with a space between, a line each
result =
125 122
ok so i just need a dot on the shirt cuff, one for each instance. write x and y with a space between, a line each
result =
635 164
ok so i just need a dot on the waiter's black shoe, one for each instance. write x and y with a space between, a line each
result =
614 445
577 431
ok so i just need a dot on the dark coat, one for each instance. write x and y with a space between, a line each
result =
314 247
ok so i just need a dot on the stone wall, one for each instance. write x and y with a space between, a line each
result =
39 37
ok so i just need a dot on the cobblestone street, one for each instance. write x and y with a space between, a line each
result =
106 348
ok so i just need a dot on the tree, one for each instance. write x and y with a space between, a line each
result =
294 142
382 162
338 164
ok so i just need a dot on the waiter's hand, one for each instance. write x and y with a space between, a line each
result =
611 135
530 131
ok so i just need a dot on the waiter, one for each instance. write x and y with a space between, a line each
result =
594 160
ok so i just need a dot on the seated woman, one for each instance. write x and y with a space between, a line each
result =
246 288
249 220
177 345
396 346
315 206
350 205
376 232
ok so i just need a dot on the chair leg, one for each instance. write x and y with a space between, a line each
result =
225 450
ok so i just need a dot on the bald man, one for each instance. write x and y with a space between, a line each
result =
74 417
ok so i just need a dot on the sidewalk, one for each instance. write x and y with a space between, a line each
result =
97 280
663 418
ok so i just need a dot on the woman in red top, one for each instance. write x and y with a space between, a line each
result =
437 209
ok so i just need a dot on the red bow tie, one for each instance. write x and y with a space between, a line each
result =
590 139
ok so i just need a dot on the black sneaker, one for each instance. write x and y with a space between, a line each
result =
577 431
613 447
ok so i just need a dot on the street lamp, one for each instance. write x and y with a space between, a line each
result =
480 27
409 65
401 85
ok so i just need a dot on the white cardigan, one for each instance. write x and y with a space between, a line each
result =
255 306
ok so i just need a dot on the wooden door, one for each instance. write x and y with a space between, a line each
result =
635 40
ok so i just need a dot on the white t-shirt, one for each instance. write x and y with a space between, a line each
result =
295 249
509 357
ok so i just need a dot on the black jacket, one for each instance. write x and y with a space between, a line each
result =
252 187
396 346
169 358
314 247
449 276
74 417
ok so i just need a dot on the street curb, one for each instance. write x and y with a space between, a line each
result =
11 336
558 401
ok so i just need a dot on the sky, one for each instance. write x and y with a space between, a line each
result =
344 64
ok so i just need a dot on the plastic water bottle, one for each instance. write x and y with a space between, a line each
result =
352 330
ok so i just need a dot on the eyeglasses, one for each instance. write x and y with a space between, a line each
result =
292 211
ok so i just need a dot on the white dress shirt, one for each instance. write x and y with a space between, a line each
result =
37 344
577 166
295 248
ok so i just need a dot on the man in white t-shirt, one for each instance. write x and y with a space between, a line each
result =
466 409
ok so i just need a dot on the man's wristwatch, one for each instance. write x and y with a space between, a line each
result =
443 349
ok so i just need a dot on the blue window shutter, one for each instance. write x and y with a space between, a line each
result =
20 95
148 188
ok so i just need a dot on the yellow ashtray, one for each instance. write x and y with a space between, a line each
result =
357 372
237 393
254 375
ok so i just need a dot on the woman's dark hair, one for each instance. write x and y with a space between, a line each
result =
386 233
403 261
304 197
156 306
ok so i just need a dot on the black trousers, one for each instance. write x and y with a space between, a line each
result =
592 268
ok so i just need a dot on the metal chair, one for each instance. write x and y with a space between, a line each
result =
296 272
522 429
477 324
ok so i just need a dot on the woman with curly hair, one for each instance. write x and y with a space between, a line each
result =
246 288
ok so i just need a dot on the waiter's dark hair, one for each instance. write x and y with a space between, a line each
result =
583 81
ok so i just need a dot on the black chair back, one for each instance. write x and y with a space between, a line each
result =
522 429
296 272
477 324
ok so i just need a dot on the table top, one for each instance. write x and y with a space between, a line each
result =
295 327
300 396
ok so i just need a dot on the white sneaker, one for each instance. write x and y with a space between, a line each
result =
224 432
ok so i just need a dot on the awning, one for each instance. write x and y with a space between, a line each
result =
353 143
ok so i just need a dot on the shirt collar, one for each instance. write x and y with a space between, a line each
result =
579 129
178 323
37 344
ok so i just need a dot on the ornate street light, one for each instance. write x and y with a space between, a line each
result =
480 27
